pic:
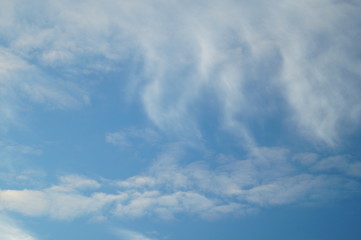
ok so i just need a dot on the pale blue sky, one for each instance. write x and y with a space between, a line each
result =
172 120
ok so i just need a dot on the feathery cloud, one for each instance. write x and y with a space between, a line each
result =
243 55
9 230
265 177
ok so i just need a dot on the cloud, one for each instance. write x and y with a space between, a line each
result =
117 138
319 69
246 57
10 150
9 230
74 182
58 205
165 205
237 61
253 60
130 235
265 177
23 84
63 201
19 148
12 170
11 177
339 164
133 136
137 181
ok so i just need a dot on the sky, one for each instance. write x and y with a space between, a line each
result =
180 119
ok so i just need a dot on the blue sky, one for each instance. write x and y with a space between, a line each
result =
170 120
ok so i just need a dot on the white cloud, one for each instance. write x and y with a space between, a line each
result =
18 201
339 164
125 234
318 66
56 204
306 158
9 230
137 181
23 84
30 175
75 182
117 138
63 201
166 205
265 177
241 51
12 170
133 136
23 149
241 54
11 176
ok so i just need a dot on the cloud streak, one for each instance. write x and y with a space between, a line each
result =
61 201
130 235
235 64
23 83
9 230
131 137
241 54
266 177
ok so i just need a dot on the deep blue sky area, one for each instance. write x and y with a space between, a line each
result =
172 120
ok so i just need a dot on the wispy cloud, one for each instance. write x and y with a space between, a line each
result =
75 182
56 204
23 83
11 176
133 136
20 148
14 165
243 55
9 230
265 177
339 164
130 235
317 66
234 62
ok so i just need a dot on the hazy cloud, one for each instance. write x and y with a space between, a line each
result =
131 137
9 230
244 55
265 177
339 164
231 62
23 83
125 234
